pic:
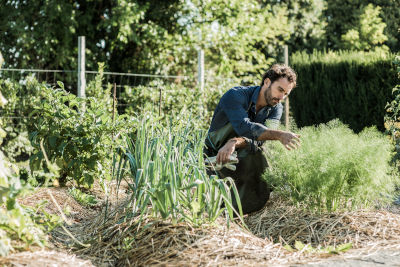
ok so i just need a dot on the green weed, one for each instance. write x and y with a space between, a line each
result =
82 197
299 246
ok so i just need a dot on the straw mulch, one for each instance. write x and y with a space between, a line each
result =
65 201
121 241
116 237
284 223
58 200
43 258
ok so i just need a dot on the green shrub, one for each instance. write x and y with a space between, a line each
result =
392 118
18 223
76 134
15 221
334 168
351 86
21 97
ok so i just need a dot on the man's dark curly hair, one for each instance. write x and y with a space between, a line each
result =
278 71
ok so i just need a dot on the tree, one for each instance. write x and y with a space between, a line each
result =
368 33
344 16
240 38
306 21
125 34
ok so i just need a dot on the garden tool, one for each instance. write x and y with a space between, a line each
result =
212 162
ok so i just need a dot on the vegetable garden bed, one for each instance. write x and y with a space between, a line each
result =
111 238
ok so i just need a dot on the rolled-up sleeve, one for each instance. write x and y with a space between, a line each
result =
234 104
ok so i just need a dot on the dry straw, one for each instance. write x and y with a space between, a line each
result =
281 222
120 240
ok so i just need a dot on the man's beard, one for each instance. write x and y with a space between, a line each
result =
268 97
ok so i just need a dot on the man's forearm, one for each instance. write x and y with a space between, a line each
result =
283 136
288 139
239 142
271 135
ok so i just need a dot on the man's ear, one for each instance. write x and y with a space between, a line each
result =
267 82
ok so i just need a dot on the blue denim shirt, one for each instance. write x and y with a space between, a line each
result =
238 106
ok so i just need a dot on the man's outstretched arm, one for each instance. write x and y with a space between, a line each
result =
288 139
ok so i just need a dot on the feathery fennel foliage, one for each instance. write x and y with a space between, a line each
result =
334 168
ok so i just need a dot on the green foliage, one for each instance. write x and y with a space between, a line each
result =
343 16
176 99
368 33
167 177
82 197
334 168
76 134
299 246
307 23
351 86
392 117
16 222
239 38
126 34
21 97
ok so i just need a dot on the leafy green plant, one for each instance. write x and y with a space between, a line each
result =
334 168
21 97
16 222
167 177
392 117
368 33
82 197
77 134
299 246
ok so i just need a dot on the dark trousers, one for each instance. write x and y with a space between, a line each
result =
253 190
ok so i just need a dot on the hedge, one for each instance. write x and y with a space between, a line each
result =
352 86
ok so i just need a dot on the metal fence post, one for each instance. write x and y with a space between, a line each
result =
286 58
81 67
200 69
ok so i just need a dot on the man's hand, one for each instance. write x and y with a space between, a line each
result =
290 140
226 151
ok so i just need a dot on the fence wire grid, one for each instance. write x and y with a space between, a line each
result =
121 80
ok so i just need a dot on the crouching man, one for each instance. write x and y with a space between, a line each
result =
238 124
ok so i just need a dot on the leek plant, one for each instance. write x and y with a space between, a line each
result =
165 171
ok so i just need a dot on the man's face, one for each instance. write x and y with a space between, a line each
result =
277 91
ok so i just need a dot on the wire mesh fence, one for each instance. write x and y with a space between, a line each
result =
70 78
128 85
155 85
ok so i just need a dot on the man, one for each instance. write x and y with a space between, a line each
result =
238 125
